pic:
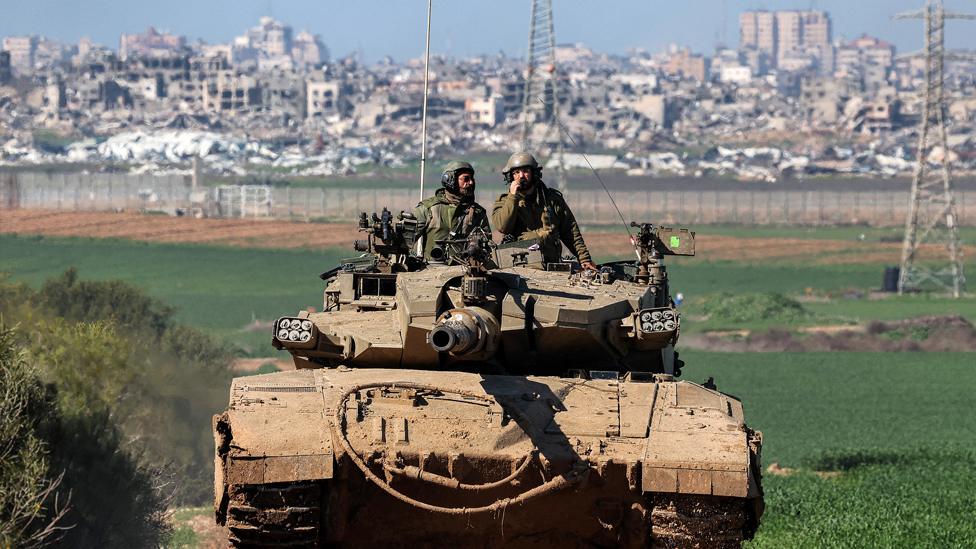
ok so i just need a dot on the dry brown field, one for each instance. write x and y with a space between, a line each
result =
272 233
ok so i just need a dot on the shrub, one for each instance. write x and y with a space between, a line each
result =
31 505
749 307
111 349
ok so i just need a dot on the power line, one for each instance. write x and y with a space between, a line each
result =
542 82
932 217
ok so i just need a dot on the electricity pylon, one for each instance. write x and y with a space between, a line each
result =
540 100
932 217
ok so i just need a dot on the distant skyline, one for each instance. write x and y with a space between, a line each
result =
462 28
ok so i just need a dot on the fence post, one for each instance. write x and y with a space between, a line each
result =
820 207
752 206
769 206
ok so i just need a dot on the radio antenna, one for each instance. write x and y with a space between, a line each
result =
596 174
423 123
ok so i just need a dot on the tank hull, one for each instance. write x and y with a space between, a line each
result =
358 457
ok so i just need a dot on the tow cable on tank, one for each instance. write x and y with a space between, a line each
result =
571 478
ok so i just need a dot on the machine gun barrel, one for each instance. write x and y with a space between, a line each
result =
466 332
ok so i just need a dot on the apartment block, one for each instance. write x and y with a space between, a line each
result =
791 39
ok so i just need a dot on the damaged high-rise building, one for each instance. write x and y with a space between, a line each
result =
789 39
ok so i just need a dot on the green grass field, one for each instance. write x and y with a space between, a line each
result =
849 233
897 427
810 402
218 289
920 498
223 289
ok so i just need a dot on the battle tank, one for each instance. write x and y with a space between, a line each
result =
486 399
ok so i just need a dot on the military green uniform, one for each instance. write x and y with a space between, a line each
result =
549 219
442 213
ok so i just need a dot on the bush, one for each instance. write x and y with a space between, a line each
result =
31 505
111 349
737 308
119 495
127 305
56 443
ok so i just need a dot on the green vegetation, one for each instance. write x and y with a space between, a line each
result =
218 289
29 513
848 233
748 307
808 402
701 278
896 426
183 535
221 290
128 395
762 311
918 498
68 474
893 308
48 140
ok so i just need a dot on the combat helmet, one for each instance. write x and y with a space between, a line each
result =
520 159
449 177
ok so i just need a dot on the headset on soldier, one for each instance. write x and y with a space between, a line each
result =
449 178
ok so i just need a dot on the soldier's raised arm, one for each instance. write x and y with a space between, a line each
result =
504 215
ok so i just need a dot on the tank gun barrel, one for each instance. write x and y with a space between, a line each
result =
466 332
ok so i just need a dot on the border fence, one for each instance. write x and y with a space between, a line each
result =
818 207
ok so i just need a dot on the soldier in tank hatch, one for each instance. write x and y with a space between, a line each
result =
452 213
531 210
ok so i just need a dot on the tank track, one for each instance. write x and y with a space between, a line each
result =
275 515
685 521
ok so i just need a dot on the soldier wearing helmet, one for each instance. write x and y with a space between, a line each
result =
530 210
452 213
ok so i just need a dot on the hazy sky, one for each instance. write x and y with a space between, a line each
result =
461 27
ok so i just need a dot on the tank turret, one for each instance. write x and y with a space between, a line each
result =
499 401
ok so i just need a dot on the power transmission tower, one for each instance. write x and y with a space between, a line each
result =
932 215
540 100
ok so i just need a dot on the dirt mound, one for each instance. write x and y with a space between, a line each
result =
928 333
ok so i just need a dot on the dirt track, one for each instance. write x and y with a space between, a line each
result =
286 234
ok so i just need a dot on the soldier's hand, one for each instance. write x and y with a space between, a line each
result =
513 187
589 265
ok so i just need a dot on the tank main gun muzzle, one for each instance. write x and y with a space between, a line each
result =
468 332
